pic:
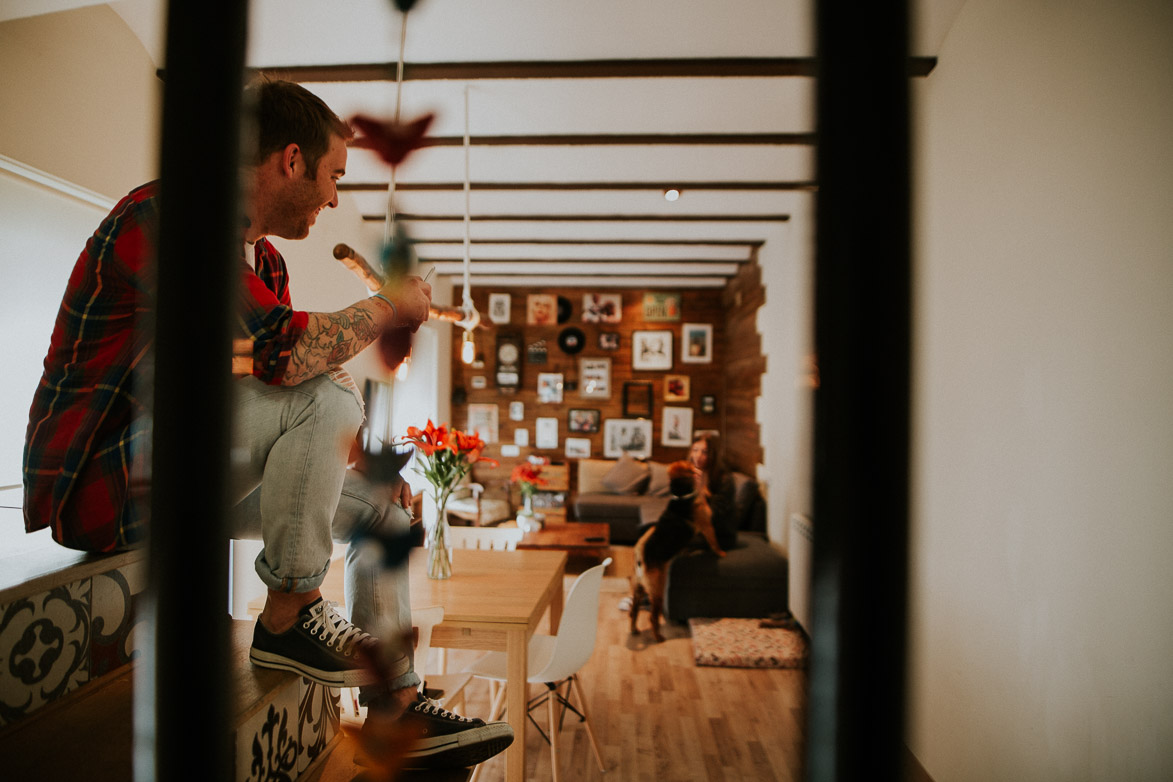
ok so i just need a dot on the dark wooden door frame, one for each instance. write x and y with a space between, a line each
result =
861 428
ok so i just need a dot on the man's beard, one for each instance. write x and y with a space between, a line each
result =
296 215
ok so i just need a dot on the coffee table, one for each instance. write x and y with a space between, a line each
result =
573 537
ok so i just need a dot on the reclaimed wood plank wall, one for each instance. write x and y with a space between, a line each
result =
730 378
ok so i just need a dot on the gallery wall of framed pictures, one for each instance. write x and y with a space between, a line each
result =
598 373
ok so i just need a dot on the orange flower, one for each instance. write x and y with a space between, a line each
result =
527 473
429 439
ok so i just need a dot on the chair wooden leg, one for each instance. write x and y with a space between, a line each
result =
586 720
552 714
498 703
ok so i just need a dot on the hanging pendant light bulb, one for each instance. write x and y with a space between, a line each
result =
404 368
468 348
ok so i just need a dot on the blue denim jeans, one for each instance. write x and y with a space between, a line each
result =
293 491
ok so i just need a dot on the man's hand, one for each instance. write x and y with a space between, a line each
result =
404 499
413 300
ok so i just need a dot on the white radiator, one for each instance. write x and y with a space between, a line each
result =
800 540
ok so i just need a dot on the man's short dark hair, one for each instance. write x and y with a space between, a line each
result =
286 113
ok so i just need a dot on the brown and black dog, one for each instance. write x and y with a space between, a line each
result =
687 513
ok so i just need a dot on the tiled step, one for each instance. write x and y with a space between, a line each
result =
284 726
66 619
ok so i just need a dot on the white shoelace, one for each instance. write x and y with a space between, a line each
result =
431 707
326 623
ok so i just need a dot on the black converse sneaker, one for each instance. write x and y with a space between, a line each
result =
451 741
321 646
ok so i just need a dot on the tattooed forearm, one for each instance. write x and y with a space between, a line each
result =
333 338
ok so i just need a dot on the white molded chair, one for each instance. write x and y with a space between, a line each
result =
554 661
468 502
496 538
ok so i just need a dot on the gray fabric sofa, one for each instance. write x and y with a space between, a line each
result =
751 580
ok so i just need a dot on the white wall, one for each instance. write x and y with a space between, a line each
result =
1042 590
61 116
81 99
785 322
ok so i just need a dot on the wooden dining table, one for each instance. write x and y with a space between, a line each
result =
494 602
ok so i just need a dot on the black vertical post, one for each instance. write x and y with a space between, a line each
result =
861 437
185 683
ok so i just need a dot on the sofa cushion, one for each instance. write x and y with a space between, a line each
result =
627 476
748 507
658 480
598 506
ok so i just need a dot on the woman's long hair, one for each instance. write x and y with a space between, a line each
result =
716 467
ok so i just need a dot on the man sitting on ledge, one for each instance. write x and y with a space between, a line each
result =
297 414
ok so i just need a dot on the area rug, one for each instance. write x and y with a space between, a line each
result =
745 643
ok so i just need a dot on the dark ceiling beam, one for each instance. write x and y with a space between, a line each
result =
623 139
521 263
586 218
689 68
577 242
523 186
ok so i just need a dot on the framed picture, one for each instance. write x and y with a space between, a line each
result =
578 448
546 435
482 419
550 387
541 309
499 304
696 343
621 435
609 340
535 352
582 421
676 388
595 378
661 306
708 404
602 307
676 427
651 350
637 400
521 437
479 381
517 411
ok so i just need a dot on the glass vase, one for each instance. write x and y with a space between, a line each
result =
527 520
438 544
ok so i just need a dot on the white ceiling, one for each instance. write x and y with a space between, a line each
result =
697 240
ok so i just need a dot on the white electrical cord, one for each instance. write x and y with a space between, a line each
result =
389 223
472 318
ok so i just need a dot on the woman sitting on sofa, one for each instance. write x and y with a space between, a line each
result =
705 456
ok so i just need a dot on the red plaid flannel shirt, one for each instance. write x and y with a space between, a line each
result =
88 426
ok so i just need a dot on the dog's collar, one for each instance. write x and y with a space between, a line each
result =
689 496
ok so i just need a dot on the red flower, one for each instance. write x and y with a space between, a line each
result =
527 473
470 446
429 439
